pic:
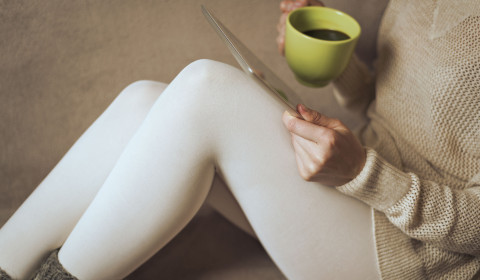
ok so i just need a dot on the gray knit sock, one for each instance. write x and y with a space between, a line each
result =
4 275
52 269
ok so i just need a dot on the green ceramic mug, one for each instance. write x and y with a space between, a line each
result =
315 62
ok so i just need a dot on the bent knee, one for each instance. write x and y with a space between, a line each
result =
210 80
206 71
142 90
208 67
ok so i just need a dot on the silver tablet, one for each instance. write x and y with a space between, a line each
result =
253 66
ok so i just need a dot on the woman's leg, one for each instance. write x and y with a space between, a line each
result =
213 117
45 219
221 199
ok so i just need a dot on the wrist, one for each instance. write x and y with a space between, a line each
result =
361 164
379 184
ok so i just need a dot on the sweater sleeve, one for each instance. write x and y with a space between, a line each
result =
424 210
354 89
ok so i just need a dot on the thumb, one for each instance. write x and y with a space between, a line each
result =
316 118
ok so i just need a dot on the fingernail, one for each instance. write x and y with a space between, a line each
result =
303 108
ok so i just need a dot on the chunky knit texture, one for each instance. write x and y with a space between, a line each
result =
52 269
422 175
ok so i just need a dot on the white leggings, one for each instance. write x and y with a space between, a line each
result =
139 174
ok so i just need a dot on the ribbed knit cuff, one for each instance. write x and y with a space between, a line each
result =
379 184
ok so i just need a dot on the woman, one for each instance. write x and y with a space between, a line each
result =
418 167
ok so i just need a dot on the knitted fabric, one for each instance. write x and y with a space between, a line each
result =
52 269
422 175
4 275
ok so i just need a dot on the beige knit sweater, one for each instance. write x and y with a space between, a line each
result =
422 175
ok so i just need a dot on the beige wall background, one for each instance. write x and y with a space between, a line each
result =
63 62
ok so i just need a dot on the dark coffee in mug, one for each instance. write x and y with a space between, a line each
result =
327 34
